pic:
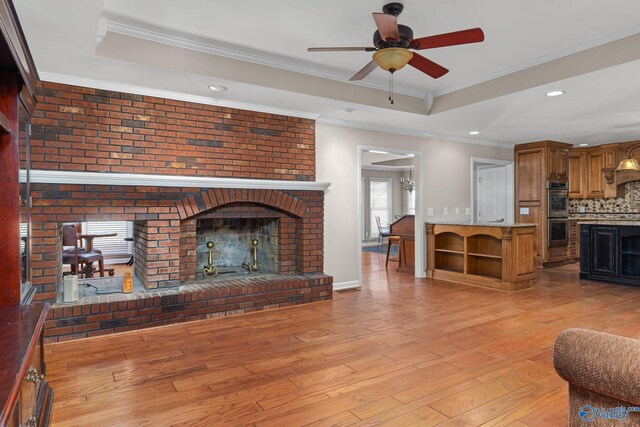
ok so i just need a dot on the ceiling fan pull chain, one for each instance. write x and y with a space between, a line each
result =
391 87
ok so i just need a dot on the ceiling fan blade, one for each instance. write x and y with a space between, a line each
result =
387 25
473 35
366 70
342 49
427 66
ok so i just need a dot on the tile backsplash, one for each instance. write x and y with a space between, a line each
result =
625 207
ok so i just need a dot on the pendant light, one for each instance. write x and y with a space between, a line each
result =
629 164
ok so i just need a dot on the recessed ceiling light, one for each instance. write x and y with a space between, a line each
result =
218 88
555 93
582 145
474 132
348 110
378 152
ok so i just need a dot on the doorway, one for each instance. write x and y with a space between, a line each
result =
384 176
492 190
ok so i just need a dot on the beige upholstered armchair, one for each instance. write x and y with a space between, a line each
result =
603 372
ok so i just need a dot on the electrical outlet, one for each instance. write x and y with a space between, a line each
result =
467 211
457 211
445 211
582 209
524 211
429 211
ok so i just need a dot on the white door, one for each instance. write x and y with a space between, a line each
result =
491 193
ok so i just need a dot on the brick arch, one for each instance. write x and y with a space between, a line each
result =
213 198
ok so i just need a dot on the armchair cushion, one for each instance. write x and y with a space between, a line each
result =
602 372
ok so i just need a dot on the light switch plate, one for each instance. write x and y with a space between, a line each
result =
445 211
582 209
524 211
467 211
457 211
429 211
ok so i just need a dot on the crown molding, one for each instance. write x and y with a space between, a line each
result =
141 180
599 41
110 22
399 131
158 93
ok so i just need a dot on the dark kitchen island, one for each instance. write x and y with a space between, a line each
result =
610 251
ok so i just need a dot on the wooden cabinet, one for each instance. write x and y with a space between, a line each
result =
595 176
25 395
17 85
588 169
558 161
610 252
573 248
536 164
500 257
405 228
576 176
24 391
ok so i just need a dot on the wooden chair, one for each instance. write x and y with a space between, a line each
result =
77 256
392 240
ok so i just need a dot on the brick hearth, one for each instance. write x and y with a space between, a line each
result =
106 314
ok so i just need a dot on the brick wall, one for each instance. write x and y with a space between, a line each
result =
83 129
158 213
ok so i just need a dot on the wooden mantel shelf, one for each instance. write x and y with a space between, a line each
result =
499 256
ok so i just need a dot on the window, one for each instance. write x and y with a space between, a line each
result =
111 247
411 202
379 203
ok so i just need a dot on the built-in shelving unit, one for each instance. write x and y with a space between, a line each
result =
450 252
482 255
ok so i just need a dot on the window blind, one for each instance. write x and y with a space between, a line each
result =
110 245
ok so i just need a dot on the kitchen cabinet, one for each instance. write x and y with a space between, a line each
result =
535 165
577 165
595 176
499 256
573 248
588 169
610 252
558 161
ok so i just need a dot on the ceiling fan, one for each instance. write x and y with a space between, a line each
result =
392 42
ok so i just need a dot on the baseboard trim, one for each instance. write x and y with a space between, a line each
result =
346 285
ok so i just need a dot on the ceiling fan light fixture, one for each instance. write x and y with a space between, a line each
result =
392 58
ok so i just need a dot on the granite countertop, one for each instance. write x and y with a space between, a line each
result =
609 222
483 224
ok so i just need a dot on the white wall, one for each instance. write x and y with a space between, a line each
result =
447 178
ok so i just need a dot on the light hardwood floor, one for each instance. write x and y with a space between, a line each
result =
399 352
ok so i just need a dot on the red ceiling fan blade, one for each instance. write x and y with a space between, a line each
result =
387 25
342 49
473 35
366 70
427 66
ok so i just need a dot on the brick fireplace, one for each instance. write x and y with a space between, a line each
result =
188 177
